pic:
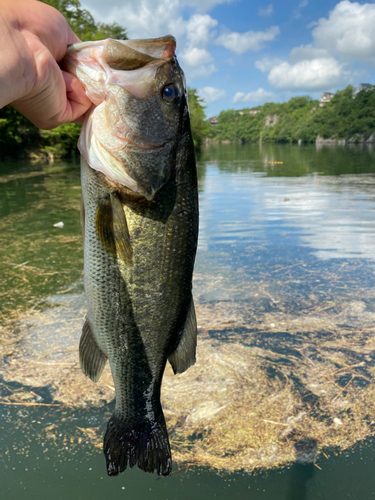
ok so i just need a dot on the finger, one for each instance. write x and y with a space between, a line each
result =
77 101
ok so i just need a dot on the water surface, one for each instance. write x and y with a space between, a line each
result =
284 274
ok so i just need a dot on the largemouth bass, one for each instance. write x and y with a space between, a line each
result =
140 227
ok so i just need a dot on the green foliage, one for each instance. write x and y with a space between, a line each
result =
61 141
16 133
300 119
198 123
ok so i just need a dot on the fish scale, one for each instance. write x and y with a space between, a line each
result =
140 227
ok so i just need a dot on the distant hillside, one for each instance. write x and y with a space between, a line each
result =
344 118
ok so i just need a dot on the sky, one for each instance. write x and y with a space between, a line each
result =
241 53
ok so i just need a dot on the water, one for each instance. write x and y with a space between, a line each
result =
285 269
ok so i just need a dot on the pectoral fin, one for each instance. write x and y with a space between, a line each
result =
104 226
184 355
91 358
120 231
112 228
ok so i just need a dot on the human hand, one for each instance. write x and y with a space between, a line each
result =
34 37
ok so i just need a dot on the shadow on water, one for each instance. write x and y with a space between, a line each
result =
45 454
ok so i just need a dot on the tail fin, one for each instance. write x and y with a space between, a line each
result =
145 445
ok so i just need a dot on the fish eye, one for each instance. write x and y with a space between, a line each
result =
169 93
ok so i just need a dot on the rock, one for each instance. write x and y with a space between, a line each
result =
322 141
357 138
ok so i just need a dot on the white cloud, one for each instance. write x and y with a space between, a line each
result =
267 63
211 94
312 24
297 12
258 96
348 31
204 5
105 9
195 57
149 19
198 29
251 40
141 18
267 11
307 53
316 74
195 54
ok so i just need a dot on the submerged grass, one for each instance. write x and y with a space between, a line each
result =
286 355
268 389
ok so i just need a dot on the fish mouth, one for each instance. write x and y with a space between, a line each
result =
136 141
147 147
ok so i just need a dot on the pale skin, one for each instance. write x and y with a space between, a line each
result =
33 40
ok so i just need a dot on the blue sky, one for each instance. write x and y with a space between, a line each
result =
241 53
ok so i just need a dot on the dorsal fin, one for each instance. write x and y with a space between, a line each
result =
121 57
161 48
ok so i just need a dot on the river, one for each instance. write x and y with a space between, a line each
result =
281 402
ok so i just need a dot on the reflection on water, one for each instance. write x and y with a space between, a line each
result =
285 304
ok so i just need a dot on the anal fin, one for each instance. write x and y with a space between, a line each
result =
184 356
91 358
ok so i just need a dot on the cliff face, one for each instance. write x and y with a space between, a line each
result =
271 120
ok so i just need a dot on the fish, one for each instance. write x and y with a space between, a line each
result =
139 216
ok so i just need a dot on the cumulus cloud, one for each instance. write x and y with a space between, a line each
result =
348 31
149 19
195 57
139 7
267 11
307 53
346 35
198 29
312 24
211 94
298 12
251 40
141 18
267 63
258 96
314 74
204 5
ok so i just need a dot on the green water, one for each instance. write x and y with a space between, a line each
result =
303 230
35 469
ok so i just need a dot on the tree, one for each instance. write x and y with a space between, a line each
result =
198 123
83 24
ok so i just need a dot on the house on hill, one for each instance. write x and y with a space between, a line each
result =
214 120
326 97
